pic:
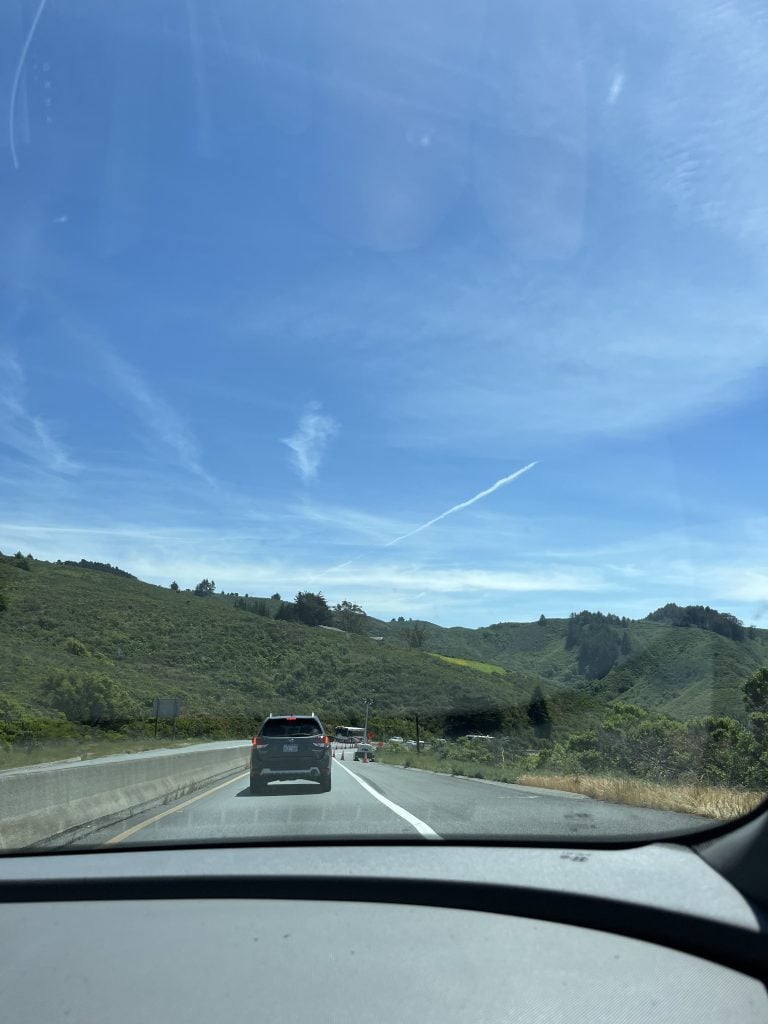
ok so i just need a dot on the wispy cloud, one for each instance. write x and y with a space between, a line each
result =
550 358
21 430
309 440
423 579
345 525
163 423
464 504
616 89
694 124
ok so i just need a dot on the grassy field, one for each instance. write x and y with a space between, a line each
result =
477 666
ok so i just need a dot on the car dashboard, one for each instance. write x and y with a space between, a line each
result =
429 932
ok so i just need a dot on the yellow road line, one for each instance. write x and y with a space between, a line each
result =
164 814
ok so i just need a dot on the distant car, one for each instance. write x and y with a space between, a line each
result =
396 739
365 750
290 747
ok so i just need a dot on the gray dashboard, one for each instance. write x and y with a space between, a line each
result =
381 932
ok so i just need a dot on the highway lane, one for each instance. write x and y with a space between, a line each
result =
457 806
287 810
392 802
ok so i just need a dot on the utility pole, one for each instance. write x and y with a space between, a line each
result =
418 743
368 703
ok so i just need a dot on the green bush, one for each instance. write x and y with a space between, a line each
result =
75 646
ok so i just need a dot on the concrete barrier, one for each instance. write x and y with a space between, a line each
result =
56 804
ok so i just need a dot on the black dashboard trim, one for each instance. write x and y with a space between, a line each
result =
737 948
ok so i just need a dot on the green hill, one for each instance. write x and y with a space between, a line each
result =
93 620
153 642
682 671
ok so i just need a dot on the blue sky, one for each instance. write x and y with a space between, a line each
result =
281 283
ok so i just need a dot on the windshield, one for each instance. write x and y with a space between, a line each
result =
400 364
291 727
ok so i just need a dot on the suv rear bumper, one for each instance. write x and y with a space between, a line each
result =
290 773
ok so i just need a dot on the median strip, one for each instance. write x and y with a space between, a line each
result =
421 826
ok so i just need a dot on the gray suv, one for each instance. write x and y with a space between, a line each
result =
291 747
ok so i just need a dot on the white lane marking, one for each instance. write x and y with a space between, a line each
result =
164 814
418 824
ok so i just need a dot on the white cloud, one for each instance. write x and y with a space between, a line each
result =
609 366
425 579
309 440
700 121
616 89
473 351
163 423
21 430
631 578
345 525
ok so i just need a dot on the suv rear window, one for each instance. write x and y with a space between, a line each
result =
291 727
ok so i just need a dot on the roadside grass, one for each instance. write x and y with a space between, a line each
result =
429 761
83 750
716 802
708 801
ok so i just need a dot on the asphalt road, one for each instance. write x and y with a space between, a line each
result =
378 800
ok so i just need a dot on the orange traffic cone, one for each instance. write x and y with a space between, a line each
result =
365 757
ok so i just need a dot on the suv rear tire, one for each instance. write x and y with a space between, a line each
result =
258 788
325 783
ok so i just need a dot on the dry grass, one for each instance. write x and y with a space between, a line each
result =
708 801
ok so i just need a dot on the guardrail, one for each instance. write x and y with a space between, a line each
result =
56 804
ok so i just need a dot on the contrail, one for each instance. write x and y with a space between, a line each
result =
334 568
463 504
456 508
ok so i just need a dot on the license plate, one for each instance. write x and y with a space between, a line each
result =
290 748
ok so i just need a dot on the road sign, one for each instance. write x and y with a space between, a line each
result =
168 708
